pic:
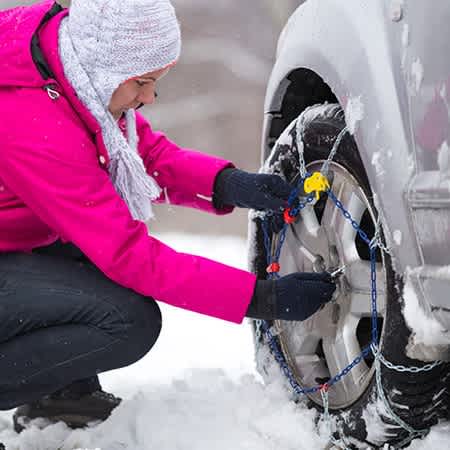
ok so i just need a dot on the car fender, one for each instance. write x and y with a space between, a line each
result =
335 40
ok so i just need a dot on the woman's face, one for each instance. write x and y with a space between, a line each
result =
134 92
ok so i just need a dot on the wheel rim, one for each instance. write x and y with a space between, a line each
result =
325 344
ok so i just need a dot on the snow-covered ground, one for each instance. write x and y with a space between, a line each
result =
196 390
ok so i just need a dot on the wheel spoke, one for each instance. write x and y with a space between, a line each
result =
339 353
331 217
311 368
309 220
339 228
307 240
300 343
358 276
291 260
360 304
298 250
331 214
356 207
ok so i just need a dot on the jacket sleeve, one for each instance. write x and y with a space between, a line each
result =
60 180
185 175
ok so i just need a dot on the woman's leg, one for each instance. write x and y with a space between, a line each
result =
63 321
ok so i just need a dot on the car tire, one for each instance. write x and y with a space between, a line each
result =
420 399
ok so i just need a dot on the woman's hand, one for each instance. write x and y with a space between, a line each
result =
234 187
293 297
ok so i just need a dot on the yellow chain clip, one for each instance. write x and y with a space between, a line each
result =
317 183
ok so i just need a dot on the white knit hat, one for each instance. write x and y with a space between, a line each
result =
119 39
103 43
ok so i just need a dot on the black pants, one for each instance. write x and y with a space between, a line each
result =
62 321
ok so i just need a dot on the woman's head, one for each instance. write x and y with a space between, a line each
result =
135 92
125 46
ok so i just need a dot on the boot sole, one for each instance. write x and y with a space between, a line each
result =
72 421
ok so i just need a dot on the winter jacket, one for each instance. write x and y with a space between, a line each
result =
54 181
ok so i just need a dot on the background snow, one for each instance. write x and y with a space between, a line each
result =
196 390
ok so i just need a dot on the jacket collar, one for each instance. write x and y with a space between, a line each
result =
48 36
17 27
36 52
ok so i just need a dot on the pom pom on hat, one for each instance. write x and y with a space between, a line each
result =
119 39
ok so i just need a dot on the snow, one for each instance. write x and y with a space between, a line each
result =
405 35
437 439
196 390
443 93
354 112
436 272
397 235
405 44
427 330
203 410
378 163
377 430
417 72
396 10
381 159
444 160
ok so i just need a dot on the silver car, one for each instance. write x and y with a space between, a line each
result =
376 74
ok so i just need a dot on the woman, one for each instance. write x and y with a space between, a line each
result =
78 172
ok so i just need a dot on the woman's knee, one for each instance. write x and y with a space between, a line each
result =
144 327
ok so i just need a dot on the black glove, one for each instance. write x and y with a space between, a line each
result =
293 297
234 187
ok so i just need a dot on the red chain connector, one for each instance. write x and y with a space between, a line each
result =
287 217
324 387
273 268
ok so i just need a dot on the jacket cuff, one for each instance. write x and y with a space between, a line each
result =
219 181
263 303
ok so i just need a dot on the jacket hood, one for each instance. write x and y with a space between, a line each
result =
17 27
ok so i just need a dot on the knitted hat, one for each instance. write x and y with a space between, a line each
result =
119 39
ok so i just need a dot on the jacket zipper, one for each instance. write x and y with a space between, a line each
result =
51 91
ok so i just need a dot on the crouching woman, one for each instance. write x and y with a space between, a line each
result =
79 170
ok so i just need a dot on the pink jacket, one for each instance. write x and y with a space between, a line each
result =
54 183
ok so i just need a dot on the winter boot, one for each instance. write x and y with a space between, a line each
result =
73 408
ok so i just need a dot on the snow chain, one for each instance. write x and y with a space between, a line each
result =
317 183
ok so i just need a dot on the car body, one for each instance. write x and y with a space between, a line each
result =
387 63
